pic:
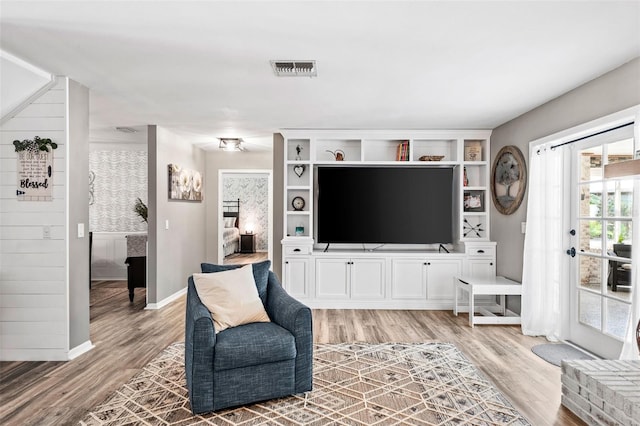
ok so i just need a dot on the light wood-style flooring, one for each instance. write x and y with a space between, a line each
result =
245 258
126 337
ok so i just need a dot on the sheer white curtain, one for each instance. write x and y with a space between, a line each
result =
630 348
543 263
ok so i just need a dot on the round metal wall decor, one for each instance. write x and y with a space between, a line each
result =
508 179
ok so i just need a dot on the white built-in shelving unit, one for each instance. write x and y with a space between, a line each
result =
466 151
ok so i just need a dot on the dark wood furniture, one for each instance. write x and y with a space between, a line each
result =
136 262
231 208
247 243
620 272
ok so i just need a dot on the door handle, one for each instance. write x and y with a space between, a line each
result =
572 252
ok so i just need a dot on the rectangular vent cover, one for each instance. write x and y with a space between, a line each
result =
294 68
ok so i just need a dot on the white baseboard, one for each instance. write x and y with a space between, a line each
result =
80 349
164 302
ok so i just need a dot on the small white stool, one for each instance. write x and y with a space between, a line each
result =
499 286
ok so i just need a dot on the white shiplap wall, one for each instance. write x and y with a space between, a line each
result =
34 323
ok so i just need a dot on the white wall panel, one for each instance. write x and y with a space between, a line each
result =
32 300
33 328
41 110
33 314
30 232
33 275
35 124
33 246
32 341
32 287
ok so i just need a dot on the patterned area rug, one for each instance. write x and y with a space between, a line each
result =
354 384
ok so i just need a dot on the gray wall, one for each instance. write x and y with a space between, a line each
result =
617 90
78 209
278 202
216 160
174 253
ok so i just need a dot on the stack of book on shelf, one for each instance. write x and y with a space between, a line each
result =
402 153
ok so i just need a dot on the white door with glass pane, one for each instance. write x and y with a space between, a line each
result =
602 222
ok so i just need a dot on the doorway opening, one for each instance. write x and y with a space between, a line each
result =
245 229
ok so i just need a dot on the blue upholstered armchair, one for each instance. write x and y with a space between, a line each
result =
251 362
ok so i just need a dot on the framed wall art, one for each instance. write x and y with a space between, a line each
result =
508 179
184 184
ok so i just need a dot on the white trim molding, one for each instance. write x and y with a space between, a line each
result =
164 302
80 349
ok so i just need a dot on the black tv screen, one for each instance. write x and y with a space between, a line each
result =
385 205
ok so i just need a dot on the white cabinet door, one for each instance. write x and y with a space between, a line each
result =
481 268
367 278
296 277
332 280
440 275
408 279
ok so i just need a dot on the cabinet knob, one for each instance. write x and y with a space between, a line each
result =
491 263
425 263
286 262
428 263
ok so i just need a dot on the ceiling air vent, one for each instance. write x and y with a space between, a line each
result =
124 129
294 68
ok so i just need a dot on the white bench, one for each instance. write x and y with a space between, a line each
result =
498 286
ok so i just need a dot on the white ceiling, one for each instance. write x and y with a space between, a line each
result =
202 68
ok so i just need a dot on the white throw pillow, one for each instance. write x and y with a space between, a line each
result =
231 297
229 222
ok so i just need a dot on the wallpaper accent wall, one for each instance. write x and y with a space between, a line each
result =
120 178
253 192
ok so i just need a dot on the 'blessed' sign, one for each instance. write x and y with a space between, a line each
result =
35 175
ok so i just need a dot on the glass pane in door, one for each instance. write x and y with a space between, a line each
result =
590 236
590 272
590 309
620 151
590 164
617 317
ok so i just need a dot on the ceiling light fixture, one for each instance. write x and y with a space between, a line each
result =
231 144
294 68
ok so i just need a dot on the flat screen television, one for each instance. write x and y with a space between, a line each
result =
385 205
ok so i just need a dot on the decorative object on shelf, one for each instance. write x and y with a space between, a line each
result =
471 229
473 201
472 151
299 169
508 176
299 231
141 209
298 151
184 184
402 152
431 158
465 178
35 169
298 203
338 154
